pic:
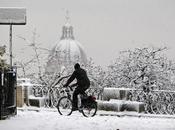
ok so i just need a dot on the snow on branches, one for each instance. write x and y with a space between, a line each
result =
142 67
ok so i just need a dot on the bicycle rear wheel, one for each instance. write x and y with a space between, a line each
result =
90 110
64 106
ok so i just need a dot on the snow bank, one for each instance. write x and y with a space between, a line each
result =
48 120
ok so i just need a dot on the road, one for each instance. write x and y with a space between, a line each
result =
51 120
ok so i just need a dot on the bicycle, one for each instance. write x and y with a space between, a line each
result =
87 105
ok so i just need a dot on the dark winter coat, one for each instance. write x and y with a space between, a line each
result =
81 76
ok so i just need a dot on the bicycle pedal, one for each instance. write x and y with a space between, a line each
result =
80 109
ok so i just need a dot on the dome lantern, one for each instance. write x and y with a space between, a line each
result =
67 32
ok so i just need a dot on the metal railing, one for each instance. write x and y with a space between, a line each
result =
53 94
156 101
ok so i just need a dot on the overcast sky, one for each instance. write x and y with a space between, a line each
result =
103 27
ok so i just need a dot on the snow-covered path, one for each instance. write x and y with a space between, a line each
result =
51 120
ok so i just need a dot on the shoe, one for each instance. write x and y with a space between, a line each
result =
80 109
74 109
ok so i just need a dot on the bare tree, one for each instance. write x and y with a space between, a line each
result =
33 45
42 77
25 66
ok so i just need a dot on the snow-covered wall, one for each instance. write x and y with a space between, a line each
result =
115 93
121 105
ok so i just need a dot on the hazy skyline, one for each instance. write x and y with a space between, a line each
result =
103 27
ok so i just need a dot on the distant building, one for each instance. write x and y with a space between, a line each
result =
66 52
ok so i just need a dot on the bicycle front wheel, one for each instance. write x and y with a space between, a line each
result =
64 106
90 110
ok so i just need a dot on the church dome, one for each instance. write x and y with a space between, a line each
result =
71 51
66 52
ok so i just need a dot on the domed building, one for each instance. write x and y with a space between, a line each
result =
66 52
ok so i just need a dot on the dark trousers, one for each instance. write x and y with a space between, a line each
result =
78 91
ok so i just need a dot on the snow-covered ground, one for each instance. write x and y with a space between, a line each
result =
51 120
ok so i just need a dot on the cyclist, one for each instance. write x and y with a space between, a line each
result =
82 84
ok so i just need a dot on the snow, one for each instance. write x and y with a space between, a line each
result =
112 88
124 101
15 15
51 120
71 46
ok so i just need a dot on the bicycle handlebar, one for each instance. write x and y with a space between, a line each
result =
67 89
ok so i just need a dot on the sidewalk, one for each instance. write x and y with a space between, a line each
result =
103 113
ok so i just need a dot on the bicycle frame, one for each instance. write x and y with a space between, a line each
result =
67 91
87 106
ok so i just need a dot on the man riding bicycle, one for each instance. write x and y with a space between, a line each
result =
82 84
